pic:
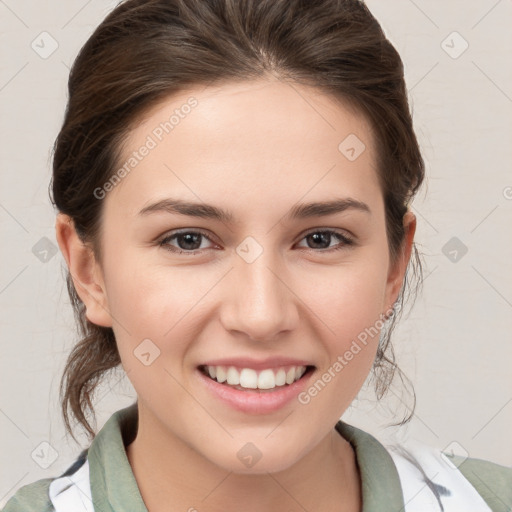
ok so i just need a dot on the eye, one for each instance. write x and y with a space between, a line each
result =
186 241
192 242
321 239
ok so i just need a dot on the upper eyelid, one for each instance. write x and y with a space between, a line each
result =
171 234
336 231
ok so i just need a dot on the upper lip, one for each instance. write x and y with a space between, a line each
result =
257 364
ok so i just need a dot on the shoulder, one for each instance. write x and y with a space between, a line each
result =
33 497
492 481
450 480
41 495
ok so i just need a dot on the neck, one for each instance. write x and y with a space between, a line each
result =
173 476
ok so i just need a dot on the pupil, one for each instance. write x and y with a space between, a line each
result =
317 238
191 238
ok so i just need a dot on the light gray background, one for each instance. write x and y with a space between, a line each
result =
456 343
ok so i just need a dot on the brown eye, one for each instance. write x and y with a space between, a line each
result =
185 242
321 239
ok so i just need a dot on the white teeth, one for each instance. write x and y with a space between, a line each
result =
280 377
266 380
248 378
251 379
221 374
233 377
290 375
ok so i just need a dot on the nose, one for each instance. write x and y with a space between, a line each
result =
258 301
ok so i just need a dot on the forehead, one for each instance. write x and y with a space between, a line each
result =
262 138
269 111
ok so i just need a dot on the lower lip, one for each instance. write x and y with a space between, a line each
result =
253 401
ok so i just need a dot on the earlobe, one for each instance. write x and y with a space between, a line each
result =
397 272
85 271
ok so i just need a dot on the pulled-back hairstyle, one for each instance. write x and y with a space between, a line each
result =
147 50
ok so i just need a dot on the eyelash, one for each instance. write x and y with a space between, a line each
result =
345 241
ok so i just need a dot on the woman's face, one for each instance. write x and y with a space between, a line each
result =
217 253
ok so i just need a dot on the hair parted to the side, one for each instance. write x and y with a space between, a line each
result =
147 50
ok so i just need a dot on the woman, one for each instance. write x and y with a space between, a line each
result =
233 181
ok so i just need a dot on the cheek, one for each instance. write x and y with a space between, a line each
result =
155 302
152 323
347 300
349 309
350 323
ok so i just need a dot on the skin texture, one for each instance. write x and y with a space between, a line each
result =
256 149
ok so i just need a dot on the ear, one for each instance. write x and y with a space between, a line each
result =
398 268
85 271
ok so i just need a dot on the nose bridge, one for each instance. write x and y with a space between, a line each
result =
259 304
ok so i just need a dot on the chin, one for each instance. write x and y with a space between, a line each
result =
248 459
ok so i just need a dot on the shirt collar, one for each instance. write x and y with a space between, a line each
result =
114 488
113 485
380 483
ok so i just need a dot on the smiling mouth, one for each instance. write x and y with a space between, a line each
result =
249 379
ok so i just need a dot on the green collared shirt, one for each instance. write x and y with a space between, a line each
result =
114 488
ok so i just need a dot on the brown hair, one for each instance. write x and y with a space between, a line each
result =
146 50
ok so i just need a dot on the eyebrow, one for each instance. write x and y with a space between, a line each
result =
300 211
